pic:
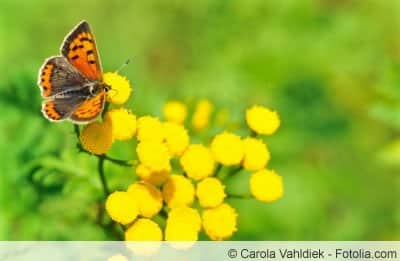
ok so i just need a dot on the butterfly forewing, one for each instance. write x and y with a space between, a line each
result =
79 47
57 75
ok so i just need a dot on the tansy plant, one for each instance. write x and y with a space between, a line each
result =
174 202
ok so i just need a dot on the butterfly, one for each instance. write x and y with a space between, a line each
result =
71 84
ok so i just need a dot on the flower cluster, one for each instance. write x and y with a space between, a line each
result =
180 188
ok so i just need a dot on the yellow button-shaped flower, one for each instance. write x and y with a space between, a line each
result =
181 231
123 123
256 154
176 138
148 197
96 137
185 215
175 111
227 148
154 155
178 191
143 230
120 88
121 207
220 223
157 178
262 120
210 192
197 162
202 114
149 129
266 185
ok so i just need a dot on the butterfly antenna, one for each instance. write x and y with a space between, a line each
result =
123 65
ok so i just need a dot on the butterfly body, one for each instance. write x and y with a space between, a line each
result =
71 84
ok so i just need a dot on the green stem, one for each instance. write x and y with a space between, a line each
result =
117 161
246 196
100 168
124 163
76 130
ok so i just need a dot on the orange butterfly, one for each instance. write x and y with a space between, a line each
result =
71 84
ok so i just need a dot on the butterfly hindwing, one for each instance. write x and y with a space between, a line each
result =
89 109
58 75
61 109
79 47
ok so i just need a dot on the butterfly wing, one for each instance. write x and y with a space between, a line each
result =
89 109
57 75
61 109
79 47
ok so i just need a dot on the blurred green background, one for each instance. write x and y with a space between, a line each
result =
329 67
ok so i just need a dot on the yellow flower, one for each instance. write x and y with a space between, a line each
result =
201 115
123 123
120 88
262 120
256 154
197 162
178 191
175 111
183 224
141 230
148 198
154 155
185 215
149 128
220 223
266 185
227 148
96 137
176 138
156 178
121 207
181 232
210 192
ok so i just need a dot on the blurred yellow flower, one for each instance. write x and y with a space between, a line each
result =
183 224
156 178
178 191
262 120
266 185
141 230
210 192
220 223
256 154
176 138
96 137
202 114
197 162
175 111
227 148
123 123
186 215
149 129
148 198
121 206
120 88
154 155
